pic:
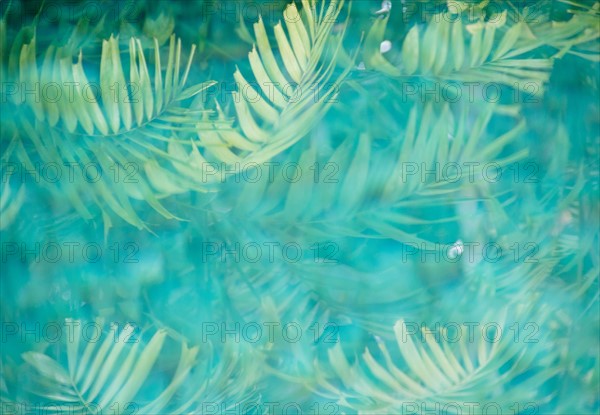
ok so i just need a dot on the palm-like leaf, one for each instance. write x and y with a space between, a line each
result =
288 97
140 111
450 48
341 203
434 371
106 373
587 44
118 370
126 102
125 128
355 190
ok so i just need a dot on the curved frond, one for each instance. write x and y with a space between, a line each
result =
107 372
118 101
119 369
451 48
587 45
288 95
439 369
122 121
134 117
328 194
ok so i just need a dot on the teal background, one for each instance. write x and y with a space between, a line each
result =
350 290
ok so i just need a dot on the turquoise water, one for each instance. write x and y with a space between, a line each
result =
341 208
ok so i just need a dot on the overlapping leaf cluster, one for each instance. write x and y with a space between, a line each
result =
369 229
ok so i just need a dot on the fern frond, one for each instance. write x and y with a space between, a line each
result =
436 138
452 49
119 369
127 125
147 125
107 372
584 43
125 102
287 97
438 372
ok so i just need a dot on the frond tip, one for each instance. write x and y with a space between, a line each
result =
443 370
115 104
10 204
112 373
483 51
292 93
